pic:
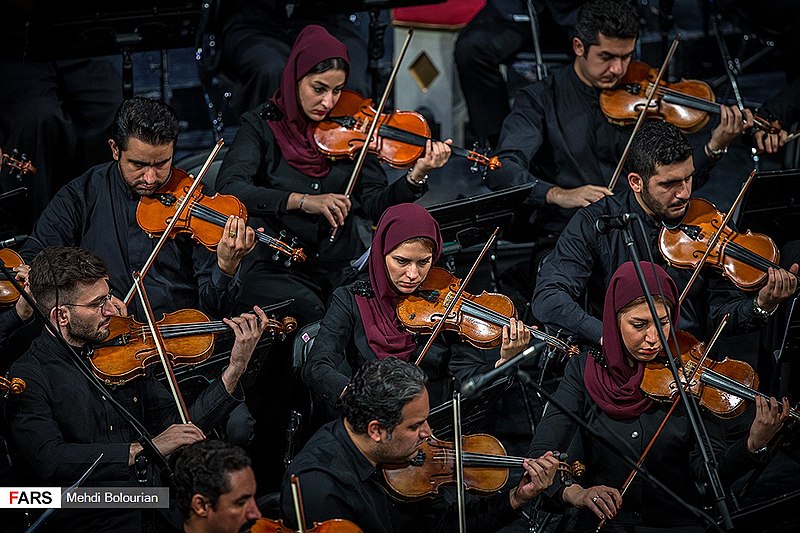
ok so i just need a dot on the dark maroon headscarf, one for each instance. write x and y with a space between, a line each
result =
616 388
398 224
295 132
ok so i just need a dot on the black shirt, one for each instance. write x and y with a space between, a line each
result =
673 460
341 347
97 211
338 481
584 259
557 135
61 424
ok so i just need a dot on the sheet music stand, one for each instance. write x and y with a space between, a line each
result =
473 410
772 205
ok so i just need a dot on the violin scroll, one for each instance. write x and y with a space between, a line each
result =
13 385
18 164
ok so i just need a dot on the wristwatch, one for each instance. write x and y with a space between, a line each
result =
760 452
715 154
760 311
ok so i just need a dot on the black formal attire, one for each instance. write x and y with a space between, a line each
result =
61 424
494 37
785 105
255 171
557 135
97 211
341 348
258 36
674 459
338 481
583 261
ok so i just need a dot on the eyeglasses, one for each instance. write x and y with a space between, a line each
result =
96 306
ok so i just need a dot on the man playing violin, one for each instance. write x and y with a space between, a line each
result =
385 410
215 488
660 172
558 138
61 425
97 211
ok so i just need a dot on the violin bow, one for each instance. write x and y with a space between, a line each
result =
455 299
179 211
675 402
458 449
351 185
158 340
297 501
652 90
712 242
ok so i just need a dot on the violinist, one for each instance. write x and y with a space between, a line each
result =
215 488
601 386
275 168
61 424
97 211
660 175
385 411
558 138
783 109
19 314
361 323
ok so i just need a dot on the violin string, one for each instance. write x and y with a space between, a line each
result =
750 256
215 217
484 459
688 97
499 320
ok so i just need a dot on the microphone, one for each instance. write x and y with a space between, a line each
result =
606 223
16 239
474 384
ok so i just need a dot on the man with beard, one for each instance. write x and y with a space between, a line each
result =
660 168
97 211
215 488
61 424
385 420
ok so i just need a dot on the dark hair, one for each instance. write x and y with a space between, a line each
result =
657 143
203 468
613 18
63 269
332 63
379 390
657 298
425 241
151 121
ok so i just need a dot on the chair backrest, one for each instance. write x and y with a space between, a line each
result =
303 342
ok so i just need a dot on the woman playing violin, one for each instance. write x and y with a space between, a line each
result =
602 387
362 324
276 169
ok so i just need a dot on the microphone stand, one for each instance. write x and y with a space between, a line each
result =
692 410
149 449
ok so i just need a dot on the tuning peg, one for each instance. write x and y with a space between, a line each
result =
276 256
282 235
288 262
294 242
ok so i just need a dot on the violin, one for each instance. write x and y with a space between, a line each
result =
685 104
204 218
19 167
13 385
401 135
658 382
189 336
8 293
479 320
335 525
485 468
744 258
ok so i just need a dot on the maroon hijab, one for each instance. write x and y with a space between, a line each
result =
399 223
616 388
295 132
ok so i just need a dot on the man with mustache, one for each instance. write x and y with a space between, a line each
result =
61 424
660 168
385 419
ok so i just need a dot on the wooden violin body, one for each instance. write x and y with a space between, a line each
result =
401 135
8 293
744 258
203 219
659 384
188 335
685 104
479 320
336 525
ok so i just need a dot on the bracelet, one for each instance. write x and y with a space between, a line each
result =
302 199
714 154
760 311
419 183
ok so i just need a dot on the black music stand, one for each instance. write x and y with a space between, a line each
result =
91 28
772 205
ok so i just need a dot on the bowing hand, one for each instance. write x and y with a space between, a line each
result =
603 501
237 241
539 475
177 436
